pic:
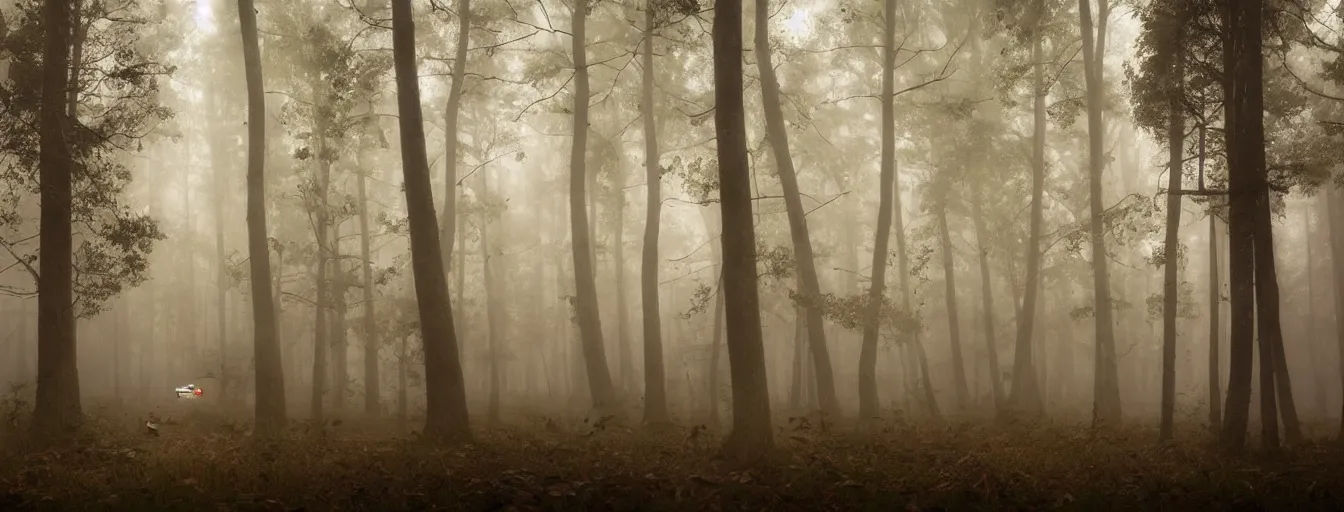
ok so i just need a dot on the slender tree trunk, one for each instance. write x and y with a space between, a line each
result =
869 404
1215 307
340 348
1024 395
1268 318
714 351
627 360
585 288
953 325
809 286
1171 247
445 393
655 381
57 409
321 324
448 225
491 315
1244 132
221 272
987 298
751 436
372 395
1106 384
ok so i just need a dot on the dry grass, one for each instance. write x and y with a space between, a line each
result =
204 462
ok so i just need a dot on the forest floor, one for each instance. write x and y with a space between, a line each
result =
205 461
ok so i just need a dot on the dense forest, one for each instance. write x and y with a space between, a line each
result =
639 254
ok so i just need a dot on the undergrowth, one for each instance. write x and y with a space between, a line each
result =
203 461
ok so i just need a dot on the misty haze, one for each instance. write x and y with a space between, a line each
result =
671 255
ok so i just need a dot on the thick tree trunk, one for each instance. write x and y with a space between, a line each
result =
445 393
57 410
751 436
987 298
953 325
372 395
655 382
1244 132
1171 247
1106 384
809 286
1024 395
869 404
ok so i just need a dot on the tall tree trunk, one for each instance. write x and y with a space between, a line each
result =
1106 384
445 393
1244 132
953 325
1268 318
627 360
987 297
869 404
221 284
321 324
372 395
57 410
917 361
1024 395
1171 247
1215 307
655 382
1336 231
809 286
585 288
340 348
751 436
448 225
714 351
491 315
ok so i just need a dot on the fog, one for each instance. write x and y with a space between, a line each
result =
1011 201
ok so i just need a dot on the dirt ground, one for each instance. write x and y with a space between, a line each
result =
201 461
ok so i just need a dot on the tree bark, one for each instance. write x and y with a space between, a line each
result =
1106 384
321 324
1024 395
585 288
445 393
1215 307
987 298
1171 246
751 436
1243 132
1268 322
869 404
57 412
448 226
655 381
340 348
809 286
372 394
953 325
